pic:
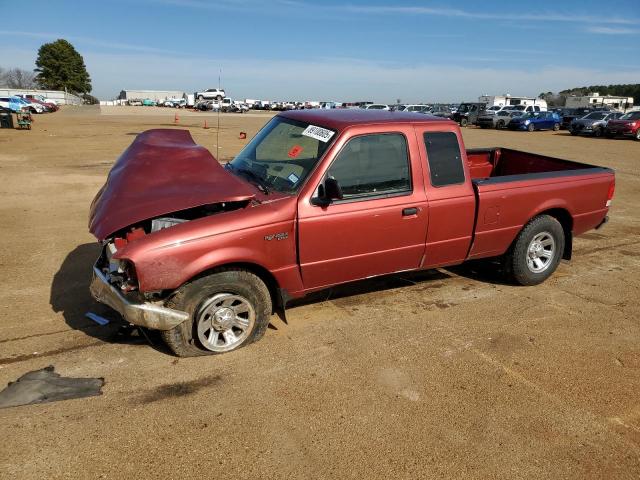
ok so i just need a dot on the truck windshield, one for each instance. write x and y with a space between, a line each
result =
282 154
464 108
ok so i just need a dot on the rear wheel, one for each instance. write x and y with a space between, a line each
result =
228 310
536 252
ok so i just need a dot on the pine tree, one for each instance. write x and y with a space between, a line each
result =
61 67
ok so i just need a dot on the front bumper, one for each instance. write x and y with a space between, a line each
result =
143 314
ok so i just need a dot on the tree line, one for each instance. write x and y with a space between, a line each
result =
622 90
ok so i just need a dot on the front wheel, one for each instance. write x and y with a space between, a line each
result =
638 134
464 122
556 127
228 310
500 124
597 132
530 127
536 252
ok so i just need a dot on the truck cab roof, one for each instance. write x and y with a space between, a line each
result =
340 119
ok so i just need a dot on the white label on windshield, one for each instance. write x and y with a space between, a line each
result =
318 133
293 178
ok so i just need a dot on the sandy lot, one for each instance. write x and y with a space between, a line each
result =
445 374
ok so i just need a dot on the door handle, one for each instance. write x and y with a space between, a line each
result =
409 211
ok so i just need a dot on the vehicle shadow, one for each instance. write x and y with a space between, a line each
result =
487 271
371 285
70 296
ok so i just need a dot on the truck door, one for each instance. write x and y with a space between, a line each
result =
450 194
380 225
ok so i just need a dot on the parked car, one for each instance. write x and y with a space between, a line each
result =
468 113
412 108
147 102
134 102
45 107
441 111
593 123
205 253
568 115
175 103
29 106
376 106
497 120
50 103
535 121
12 103
627 125
211 94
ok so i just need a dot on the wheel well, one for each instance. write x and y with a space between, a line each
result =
566 220
265 275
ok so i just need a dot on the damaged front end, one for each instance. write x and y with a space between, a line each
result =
161 181
115 281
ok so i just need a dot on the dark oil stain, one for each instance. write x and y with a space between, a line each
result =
629 253
593 236
179 389
49 353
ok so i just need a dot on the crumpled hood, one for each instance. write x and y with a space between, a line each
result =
163 171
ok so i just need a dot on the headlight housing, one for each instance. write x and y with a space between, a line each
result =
527 122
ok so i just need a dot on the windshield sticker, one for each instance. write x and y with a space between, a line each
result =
318 133
293 178
295 151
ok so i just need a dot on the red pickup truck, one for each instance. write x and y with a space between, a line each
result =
207 252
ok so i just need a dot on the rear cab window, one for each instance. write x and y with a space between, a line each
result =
444 158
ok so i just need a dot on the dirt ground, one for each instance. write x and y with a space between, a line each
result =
446 374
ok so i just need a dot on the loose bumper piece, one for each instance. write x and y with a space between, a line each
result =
145 314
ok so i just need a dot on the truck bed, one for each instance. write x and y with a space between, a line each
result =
487 165
511 187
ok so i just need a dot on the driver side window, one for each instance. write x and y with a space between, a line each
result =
372 165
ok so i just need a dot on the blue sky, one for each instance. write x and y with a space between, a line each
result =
378 50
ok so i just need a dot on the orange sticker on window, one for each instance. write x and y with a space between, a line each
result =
295 151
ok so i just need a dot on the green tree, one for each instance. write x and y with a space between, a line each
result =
60 67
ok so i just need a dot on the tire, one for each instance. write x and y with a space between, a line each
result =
216 297
500 124
637 137
530 127
609 135
536 251
464 122
597 132
556 127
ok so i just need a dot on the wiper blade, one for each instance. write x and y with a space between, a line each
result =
261 182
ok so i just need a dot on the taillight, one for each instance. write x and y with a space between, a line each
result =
612 189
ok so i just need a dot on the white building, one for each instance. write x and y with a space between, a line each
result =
506 99
155 95
57 96
596 100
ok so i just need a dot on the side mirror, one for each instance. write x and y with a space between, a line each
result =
327 192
